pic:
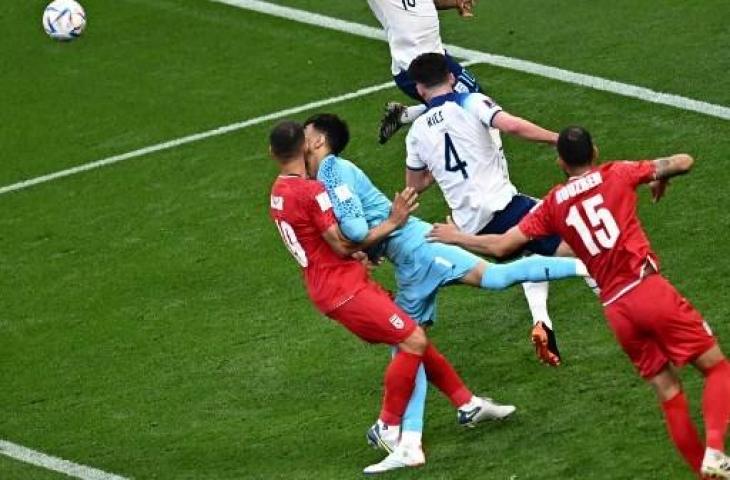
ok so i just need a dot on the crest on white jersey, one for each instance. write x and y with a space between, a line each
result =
324 201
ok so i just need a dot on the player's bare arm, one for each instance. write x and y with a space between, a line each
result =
419 180
465 7
519 127
491 245
404 203
667 168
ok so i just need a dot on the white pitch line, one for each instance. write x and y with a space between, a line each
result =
473 57
192 138
524 66
55 464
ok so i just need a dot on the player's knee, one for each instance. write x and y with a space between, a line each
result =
416 342
666 384
710 359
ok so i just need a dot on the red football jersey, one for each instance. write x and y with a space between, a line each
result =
302 211
596 215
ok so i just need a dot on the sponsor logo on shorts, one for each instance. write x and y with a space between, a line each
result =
397 322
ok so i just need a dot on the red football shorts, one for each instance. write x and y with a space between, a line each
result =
656 325
373 316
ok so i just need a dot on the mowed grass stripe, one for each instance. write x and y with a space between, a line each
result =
196 137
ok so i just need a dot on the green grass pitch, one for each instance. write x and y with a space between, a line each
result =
153 325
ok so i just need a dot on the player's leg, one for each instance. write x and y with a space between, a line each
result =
411 428
536 293
632 320
372 316
422 308
397 115
686 338
470 410
535 268
680 426
564 250
716 410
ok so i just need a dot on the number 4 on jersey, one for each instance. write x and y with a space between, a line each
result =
453 162
605 229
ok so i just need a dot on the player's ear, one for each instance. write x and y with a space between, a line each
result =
561 164
452 79
421 90
596 154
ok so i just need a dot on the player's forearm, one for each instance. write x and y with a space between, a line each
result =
524 129
378 234
673 166
534 133
446 4
419 180
489 245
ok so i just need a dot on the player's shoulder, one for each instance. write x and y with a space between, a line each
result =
469 100
335 168
617 168
552 194
288 192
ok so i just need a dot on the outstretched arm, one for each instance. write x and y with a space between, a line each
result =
492 245
519 127
404 204
673 166
667 168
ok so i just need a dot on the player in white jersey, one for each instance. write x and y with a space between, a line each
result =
457 144
412 28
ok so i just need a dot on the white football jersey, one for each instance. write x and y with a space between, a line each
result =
456 142
412 28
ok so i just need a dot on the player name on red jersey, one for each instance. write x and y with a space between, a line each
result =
578 186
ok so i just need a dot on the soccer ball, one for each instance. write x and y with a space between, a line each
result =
64 19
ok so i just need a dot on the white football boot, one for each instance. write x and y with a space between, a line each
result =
715 465
402 457
480 409
383 436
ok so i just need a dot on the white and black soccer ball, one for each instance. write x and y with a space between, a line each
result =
64 20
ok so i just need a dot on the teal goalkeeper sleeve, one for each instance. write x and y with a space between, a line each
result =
535 268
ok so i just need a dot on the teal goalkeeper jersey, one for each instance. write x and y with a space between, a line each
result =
360 206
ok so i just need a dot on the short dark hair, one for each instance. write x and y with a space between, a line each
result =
286 139
575 146
334 129
429 69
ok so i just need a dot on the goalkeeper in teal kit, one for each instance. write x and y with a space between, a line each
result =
421 268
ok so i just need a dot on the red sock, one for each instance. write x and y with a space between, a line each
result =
400 378
440 372
682 430
716 404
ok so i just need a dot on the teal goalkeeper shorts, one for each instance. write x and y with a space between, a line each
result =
423 271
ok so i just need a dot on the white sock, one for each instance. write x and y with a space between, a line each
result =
581 270
410 114
593 285
537 295
390 432
411 439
